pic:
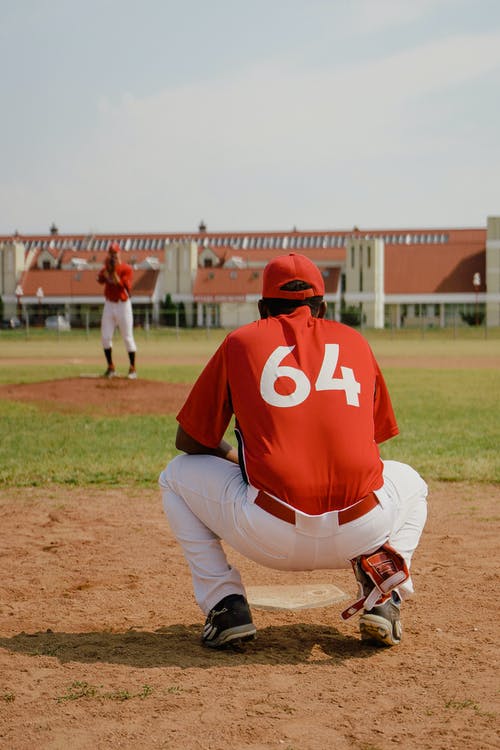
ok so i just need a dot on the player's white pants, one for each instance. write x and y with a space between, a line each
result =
206 499
118 314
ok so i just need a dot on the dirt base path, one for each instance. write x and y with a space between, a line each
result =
99 639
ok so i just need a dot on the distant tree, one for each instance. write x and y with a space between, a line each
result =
182 315
351 316
473 319
168 311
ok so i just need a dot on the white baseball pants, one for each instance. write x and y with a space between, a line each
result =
118 314
206 500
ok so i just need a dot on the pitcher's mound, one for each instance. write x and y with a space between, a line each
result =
98 395
294 597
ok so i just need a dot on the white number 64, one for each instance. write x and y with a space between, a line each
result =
324 382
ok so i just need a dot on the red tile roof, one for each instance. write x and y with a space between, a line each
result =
428 269
96 257
76 283
227 283
235 284
262 256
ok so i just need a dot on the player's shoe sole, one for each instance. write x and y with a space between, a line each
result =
381 625
230 637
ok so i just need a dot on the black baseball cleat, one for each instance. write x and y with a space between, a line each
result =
381 625
228 623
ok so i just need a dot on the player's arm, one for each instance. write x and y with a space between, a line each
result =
184 442
123 279
385 422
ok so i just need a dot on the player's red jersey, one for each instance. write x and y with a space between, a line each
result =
310 404
117 292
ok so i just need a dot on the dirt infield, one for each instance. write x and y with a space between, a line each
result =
99 634
101 396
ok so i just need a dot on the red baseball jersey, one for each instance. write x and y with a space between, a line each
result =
310 405
117 292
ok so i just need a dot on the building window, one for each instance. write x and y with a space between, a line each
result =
352 256
369 256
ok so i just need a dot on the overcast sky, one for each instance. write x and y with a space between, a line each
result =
123 116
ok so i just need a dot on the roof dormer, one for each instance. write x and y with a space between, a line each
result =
208 258
46 259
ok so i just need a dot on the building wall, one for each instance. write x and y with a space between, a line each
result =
178 274
493 271
12 264
181 260
236 314
364 273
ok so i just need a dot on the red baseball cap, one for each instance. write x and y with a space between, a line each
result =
292 267
114 248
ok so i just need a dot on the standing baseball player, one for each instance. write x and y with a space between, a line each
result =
306 489
117 279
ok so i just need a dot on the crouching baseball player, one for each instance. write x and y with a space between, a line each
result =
306 488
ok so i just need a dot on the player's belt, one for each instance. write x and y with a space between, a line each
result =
286 513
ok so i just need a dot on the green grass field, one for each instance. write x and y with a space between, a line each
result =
445 390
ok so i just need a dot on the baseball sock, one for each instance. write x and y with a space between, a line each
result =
109 357
131 356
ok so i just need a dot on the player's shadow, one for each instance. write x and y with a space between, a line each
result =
179 646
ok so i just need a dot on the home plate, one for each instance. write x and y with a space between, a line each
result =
294 597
